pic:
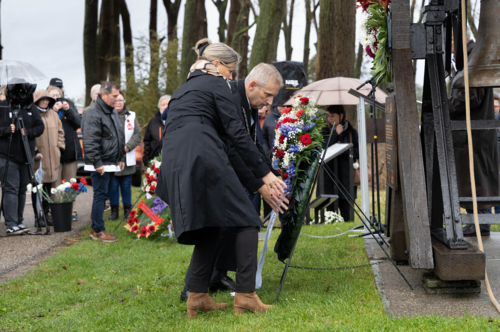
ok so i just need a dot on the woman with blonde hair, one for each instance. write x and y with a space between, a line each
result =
199 183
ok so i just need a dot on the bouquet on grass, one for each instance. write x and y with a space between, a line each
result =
151 219
66 192
296 154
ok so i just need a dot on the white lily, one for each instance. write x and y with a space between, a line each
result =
53 191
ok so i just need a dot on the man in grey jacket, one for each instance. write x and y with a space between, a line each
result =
104 150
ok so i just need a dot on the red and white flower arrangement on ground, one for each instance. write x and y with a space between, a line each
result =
150 180
298 132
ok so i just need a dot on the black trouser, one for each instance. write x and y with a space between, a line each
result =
45 204
246 244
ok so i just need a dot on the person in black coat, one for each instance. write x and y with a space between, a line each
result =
199 183
344 133
154 132
16 176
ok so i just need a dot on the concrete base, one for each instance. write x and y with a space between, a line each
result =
434 285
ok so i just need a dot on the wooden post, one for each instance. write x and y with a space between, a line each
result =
411 166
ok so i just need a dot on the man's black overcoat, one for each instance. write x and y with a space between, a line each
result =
196 177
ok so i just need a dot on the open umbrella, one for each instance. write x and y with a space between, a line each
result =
12 72
334 91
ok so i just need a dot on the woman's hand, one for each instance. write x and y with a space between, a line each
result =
38 156
57 106
274 198
65 106
339 129
274 183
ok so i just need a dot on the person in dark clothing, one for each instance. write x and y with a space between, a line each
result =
104 146
71 121
155 131
344 133
486 154
199 183
17 176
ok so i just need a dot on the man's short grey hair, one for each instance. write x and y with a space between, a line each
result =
263 73
107 86
94 88
163 97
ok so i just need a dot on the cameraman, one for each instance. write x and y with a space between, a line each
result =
17 177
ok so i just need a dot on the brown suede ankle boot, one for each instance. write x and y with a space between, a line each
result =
203 302
249 301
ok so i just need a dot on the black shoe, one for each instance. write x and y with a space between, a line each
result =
23 228
126 210
470 230
221 282
14 230
114 212
184 293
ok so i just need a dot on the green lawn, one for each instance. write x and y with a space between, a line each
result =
134 286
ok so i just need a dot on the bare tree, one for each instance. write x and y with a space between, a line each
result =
105 39
154 48
89 46
265 45
194 12
240 38
310 13
129 48
234 10
172 9
1 46
287 30
115 56
221 7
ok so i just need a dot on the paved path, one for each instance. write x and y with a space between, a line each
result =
21 251
399 300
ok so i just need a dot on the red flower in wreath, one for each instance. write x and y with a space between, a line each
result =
151 229
75 186
286 110
299 113
304 100
131 222
279 153
152 189
82 180
281 139
285 176
306 139
133 213
135 228
144 231
136 220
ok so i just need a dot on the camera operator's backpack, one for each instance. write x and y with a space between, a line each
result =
294 79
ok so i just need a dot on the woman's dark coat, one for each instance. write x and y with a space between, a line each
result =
343 159
71 122
196 177
152 138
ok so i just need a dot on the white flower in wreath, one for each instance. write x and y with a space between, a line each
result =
154 183
61 187
148 188
355 165
153 174
157 164
145 181
312 101
53 191
148 170
72 180
29 187
296 101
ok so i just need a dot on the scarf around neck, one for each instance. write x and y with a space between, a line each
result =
208 68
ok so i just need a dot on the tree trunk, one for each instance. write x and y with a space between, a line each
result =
154 48
307 36
234 10
129 47
240 38
173 45
336 39
336 42
89 46
194 12
265 45
115 60
287 31
221 7
106 36
359 61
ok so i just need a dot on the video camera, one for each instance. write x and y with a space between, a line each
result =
19 94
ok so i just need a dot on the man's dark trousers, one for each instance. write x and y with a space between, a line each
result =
102 187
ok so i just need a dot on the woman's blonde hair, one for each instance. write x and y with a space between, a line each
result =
206 50
55 88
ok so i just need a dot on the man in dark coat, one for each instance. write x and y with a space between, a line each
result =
486 154
104 146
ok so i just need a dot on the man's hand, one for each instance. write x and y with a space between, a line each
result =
65 106
122 165
127 149
275 199
38 156
100 170
13 127
339 129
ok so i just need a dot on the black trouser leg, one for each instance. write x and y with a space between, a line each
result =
247 240
202 260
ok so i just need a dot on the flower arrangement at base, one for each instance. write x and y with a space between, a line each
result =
373 35
149 182
64 193
150 220
330 217
297 150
